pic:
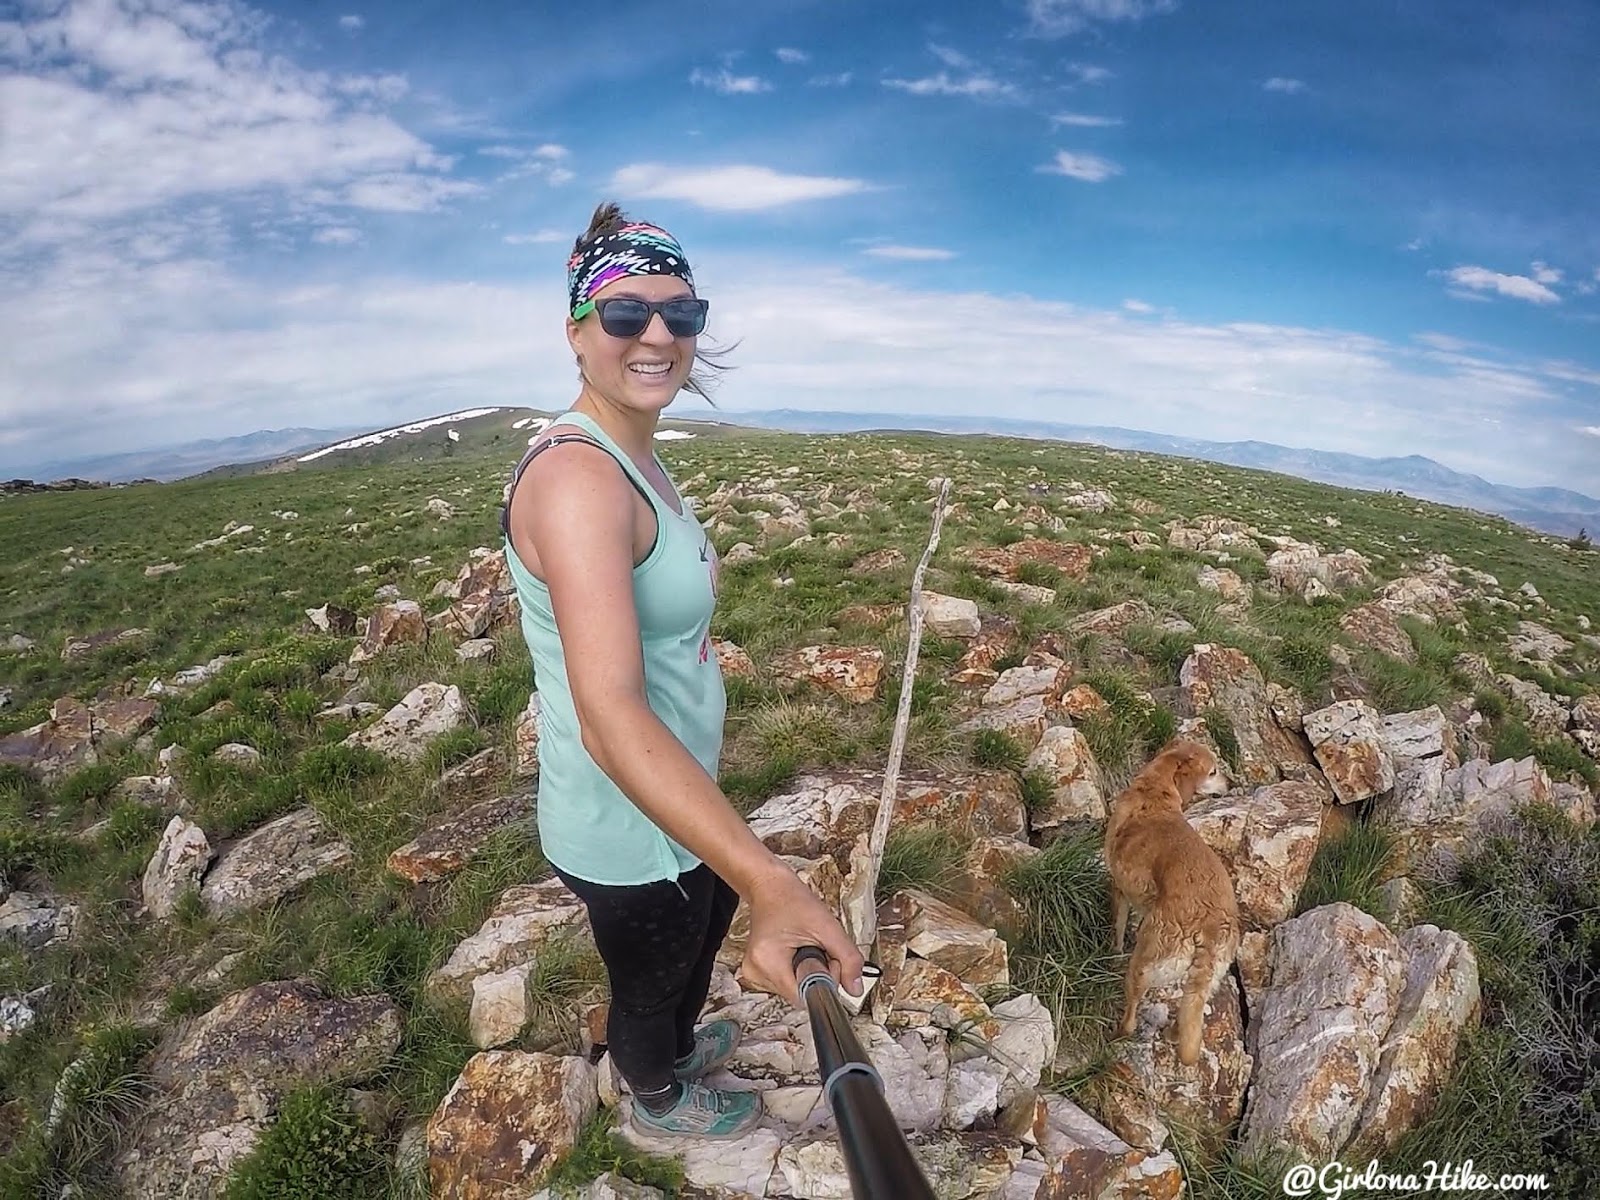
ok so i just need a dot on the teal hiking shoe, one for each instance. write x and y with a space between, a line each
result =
714 1044
703 1112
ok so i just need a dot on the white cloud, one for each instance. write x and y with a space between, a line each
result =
949 57
538 163
1083 121
910 253
839 80
791 56
1089 73
1544 273
1138 306
1591 430
540 238
726 83
735 188
1090 168
113 114
1055 18
351 22
1517 287
1279 84
102 352
400 192
337 235
943 85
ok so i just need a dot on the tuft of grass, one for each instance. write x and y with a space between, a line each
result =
600 1149
996 750
1352 867
926 857
1401 686
1220 725
1038 790
317 1149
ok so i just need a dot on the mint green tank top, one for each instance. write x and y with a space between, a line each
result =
587 825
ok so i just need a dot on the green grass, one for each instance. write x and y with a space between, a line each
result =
1353 868
927 858
600 1149
317 1149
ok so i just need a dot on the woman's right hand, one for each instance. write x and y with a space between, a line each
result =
784 915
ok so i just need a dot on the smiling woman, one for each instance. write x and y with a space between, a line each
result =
617 582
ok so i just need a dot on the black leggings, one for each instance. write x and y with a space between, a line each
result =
659 948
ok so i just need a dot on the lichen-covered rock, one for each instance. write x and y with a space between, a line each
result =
1267 838
505 1123
390 625
1316 1032
526 918
853 673
1225 678
426 712
176 867
1347 739
950 616
273 862
1378 627
217 1081
1064 756
449 845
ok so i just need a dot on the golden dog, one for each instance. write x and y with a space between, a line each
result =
1160 867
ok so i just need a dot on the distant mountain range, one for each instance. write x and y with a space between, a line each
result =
190 458
1551 510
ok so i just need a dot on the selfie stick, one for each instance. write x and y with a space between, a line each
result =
876 1154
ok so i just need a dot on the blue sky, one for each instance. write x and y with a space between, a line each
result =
1369 228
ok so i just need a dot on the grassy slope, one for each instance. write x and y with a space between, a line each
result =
365 931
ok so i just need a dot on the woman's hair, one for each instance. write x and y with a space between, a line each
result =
608 217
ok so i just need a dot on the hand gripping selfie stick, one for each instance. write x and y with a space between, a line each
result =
876 1154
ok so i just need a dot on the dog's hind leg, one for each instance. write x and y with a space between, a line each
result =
1137 980
1205 972
1119 918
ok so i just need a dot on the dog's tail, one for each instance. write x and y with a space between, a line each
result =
1213 956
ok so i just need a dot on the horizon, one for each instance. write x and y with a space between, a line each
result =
1367 235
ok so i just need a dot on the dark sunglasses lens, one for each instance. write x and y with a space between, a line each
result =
624 318
684 318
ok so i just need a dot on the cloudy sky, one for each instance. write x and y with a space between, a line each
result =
1371 228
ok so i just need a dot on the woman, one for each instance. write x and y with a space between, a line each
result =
617 582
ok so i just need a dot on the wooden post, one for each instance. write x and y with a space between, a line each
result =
897 743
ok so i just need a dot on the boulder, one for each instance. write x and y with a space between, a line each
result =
1063 754
950 616
177 866
1348 741
1225 678
428 710
1377 626
852 673
274 861
449 845
526 919
217 1081
505 1123
1267 838
390 625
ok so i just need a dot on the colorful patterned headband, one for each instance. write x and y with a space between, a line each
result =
635 249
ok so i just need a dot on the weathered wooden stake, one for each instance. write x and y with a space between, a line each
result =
897 743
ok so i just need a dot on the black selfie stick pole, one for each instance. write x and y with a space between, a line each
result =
876 1154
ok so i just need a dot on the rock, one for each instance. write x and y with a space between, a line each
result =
499 1009
17 644
1440 999
448 846
1533 643
1072 560
485 599
1064 756
1435 811
388 593
950 616
1347 739
476 650
948 937
179 862
237 754
1227 584
824 812
217 1080
526 737
78 649
877 561
609 1186
1267 838
1378 627
1546 717
928 995
1213 534
441 508
978 890
735 663
332 620
850 672
1028 593
1024 721
995 637
18 1013
54 748
1085 1159
1586 713
1093 501
273 862
1423 597
1113 622
1294 567
390 625
1317 1030
526 919
1016 683
505 1123
1148 1086
428 710
157 569
37 922
1025 1045
1225 678
1410 737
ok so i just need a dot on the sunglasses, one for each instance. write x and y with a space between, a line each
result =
625 317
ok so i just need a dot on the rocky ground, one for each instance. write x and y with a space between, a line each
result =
1336 1037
